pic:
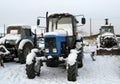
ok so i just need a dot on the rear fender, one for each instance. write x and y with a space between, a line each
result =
23 42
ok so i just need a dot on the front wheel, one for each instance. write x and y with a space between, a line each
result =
80 59
72 72
30 71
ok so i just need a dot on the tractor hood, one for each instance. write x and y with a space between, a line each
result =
108 34
10 38
57 33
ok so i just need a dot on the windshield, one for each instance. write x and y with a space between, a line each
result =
61 24
105 29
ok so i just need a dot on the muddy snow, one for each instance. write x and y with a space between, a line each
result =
105 70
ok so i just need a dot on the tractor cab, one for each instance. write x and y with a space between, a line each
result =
60 33
104 29
64 22
24 31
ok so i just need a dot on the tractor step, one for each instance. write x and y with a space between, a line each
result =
108 52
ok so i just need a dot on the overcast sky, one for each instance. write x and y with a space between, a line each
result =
26 11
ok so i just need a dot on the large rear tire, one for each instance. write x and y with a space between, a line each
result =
72 72
22 54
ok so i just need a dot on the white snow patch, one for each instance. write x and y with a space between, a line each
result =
61 58
15 37
71 60
79 36
14 32
89 49
78 45
49 57
2 40
22 43
35 50
105 35
105 70
41 45
41 58
6 51
74 51
32 54
98 39
85 43
57 33
108 34
12 36
108 49
30 57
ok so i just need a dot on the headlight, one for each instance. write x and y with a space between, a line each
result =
47 50
54 50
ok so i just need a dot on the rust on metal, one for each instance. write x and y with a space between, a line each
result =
108 52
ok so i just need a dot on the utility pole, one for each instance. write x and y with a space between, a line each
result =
4 29
90 27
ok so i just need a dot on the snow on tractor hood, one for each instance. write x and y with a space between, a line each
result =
105 35
57 33
108 34
8 37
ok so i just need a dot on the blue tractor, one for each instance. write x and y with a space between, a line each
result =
62 45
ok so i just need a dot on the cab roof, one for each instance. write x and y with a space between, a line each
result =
20 25
57 15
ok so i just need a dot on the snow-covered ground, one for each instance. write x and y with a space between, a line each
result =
105 70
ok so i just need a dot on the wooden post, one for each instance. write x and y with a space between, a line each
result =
4 29
90 27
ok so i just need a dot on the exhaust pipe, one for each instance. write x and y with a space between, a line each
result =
106 21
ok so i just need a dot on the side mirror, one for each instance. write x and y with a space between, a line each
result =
83 20
38 22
